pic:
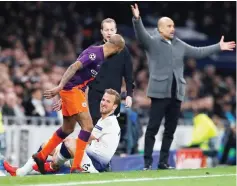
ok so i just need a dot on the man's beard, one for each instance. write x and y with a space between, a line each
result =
102 111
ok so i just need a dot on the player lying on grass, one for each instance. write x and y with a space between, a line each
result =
103 143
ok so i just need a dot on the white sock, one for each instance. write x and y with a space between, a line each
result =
59 159
26 168
68 163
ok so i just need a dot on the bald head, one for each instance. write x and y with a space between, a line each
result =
166 27
114 45
164 20
117 40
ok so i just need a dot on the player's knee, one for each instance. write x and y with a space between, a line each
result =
88 126
67 142
68 124
70 144
67 130
68 127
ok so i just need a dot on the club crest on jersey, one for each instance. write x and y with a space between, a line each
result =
92 56
84 104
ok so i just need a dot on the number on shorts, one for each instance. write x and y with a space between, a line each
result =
86 167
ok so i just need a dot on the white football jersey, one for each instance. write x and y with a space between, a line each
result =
107 133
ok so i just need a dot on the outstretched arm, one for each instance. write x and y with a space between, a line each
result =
201 52
142 35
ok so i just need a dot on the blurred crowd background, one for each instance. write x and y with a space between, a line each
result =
39 40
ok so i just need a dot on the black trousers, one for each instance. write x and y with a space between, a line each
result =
94 98
170 109
229 143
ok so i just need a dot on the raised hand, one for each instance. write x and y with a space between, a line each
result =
135 11
128 102
227 45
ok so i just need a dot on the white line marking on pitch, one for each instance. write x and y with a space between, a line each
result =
132 180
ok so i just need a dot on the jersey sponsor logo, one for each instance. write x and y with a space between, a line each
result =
98 127
84 104
92 56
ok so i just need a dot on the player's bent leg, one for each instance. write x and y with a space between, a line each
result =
58 160
71 144
48 165
61 156
66 129
87 164
57 138
65 153
85 121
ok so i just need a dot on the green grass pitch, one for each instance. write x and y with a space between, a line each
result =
219 176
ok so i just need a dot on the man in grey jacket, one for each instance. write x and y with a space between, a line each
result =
166 86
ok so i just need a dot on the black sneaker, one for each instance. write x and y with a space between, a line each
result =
147 167
40 163
164 166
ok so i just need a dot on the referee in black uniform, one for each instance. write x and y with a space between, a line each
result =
111 74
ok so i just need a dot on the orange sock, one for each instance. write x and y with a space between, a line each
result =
80 149
50 146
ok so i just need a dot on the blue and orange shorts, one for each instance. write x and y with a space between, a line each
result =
73 101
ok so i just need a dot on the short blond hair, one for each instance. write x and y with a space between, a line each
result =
108 20
113 92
